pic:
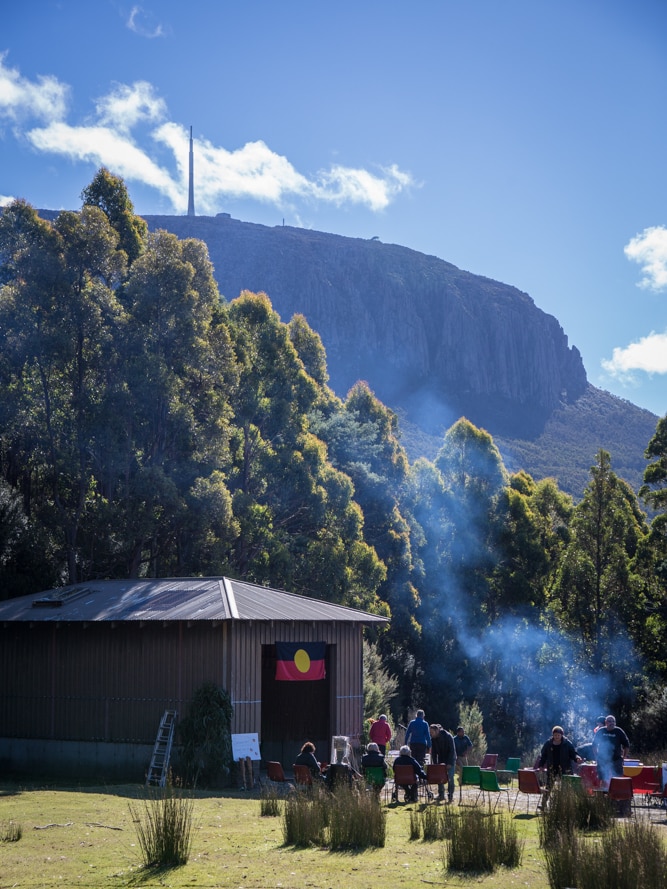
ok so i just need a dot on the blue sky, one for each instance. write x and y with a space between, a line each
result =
524 140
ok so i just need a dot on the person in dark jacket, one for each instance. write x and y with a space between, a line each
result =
306 757
443 751
405 758
558 755
373 759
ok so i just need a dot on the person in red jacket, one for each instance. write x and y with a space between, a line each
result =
380 733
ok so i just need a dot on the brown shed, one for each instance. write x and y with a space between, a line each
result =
88 670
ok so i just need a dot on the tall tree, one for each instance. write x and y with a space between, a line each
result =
594 596
58 315
108 192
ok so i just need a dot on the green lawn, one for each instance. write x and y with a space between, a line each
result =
86 837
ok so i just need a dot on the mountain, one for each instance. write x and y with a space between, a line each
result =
434 343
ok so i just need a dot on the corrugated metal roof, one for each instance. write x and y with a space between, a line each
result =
174 599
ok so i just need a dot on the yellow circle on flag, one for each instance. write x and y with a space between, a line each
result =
302 661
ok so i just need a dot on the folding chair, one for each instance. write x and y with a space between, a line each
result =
375 778
302 777
508 774
405 776
488 783
620 791
436 773
274 772
470 776
529 785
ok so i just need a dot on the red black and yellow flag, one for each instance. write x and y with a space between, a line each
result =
300 660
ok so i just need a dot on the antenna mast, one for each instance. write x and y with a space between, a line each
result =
191 186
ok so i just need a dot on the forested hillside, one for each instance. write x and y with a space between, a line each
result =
434 343
152 428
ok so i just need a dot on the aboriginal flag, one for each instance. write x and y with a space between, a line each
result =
300 660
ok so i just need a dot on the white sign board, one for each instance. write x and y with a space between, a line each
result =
246 745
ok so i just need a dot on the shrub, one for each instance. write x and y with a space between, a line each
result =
164 828
10 832
205 735
472 719
480 842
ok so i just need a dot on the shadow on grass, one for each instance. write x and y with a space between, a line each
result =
149 874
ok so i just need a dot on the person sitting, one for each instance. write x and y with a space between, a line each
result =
306 758
373 759
405 758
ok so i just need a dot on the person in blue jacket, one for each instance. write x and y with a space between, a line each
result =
418 737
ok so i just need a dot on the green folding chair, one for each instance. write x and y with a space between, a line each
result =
488 784
470 776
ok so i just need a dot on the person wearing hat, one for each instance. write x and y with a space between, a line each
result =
380 733
558 755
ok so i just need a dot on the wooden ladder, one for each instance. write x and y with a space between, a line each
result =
159 767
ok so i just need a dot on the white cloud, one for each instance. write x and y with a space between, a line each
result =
5 199
649 354
102 146
144 23
252 172
126 106
649 249
44 99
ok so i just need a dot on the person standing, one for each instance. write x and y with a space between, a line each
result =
443 751
462 745
418 737
380 733
610 746
558 755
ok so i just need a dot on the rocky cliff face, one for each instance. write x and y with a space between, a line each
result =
432 340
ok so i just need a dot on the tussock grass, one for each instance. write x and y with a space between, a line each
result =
305 818
357 819
432 823
347 819
482 842
569 810
10 832
164 828
621 858
269 802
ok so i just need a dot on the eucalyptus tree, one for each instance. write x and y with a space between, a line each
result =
595 597
179 370
59 321
109 193
299 525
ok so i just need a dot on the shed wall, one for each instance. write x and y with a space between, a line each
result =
104 682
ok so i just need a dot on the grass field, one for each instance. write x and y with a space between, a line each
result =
86 837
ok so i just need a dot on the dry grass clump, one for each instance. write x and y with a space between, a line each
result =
164 828
482 842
